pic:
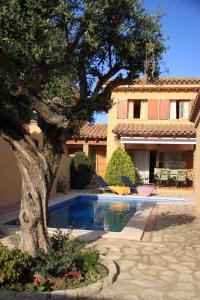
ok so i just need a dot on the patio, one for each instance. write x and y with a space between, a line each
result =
165 264
164 268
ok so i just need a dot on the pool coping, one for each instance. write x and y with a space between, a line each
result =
132 231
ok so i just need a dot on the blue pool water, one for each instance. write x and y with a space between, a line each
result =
97 212
92 214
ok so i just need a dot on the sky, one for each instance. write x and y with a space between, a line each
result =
181 23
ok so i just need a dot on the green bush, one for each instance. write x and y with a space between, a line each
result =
66 255
81 171
119 165
14 265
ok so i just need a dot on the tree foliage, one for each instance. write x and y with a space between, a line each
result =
52 50
60 60
81 170
119 165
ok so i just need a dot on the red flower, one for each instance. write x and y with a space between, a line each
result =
36 281
77 275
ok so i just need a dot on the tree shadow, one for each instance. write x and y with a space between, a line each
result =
166 220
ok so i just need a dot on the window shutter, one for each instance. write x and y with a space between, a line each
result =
153 109
122 109
164 109
190 105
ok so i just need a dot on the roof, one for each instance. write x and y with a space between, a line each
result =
156 129
172 80
195 108
96 131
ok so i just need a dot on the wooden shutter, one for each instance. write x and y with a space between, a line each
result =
122 109
190 105
164 109
153 109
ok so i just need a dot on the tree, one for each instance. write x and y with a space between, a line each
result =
81 170
60 60
119 165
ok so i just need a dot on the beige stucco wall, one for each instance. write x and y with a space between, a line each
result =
112 142
197 170
10 181
10 178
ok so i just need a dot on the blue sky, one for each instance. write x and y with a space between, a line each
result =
181 23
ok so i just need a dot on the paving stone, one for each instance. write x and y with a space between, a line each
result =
180 268
148 294
181 295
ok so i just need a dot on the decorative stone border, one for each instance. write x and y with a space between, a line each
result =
71 294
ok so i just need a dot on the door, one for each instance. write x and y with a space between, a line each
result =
141 161
100 162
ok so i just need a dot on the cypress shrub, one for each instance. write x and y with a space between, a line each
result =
119 165
81 171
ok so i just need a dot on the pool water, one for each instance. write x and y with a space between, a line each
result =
92 214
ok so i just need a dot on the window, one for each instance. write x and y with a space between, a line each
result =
73 150
170 160
140 109
179 109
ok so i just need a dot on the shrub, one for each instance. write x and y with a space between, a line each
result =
81 171
68 264
119 165
14 265
66 255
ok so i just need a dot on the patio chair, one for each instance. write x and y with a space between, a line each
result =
156 175
103 186
173 176
126 180
182 178
142 190
164 177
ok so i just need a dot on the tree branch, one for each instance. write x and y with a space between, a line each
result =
83 81
106 93
47 114
103 79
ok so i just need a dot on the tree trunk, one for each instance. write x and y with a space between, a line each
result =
38 170
36 185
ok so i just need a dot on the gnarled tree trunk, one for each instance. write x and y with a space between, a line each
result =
37 179
35 183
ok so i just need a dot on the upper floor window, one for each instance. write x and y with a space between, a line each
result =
140 109
179 109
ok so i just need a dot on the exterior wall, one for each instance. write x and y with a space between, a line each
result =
197 168
63 171
95 150
10 180
159 95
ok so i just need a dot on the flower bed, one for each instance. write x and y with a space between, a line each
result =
68 265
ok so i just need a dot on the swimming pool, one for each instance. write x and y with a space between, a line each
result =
92 212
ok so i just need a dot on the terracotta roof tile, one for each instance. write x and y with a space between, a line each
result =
195 108
96 131
156 129
173 80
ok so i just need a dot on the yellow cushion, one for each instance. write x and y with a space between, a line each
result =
121 190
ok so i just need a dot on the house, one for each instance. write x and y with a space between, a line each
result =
195 117
151 122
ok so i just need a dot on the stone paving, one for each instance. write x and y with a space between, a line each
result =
165 268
